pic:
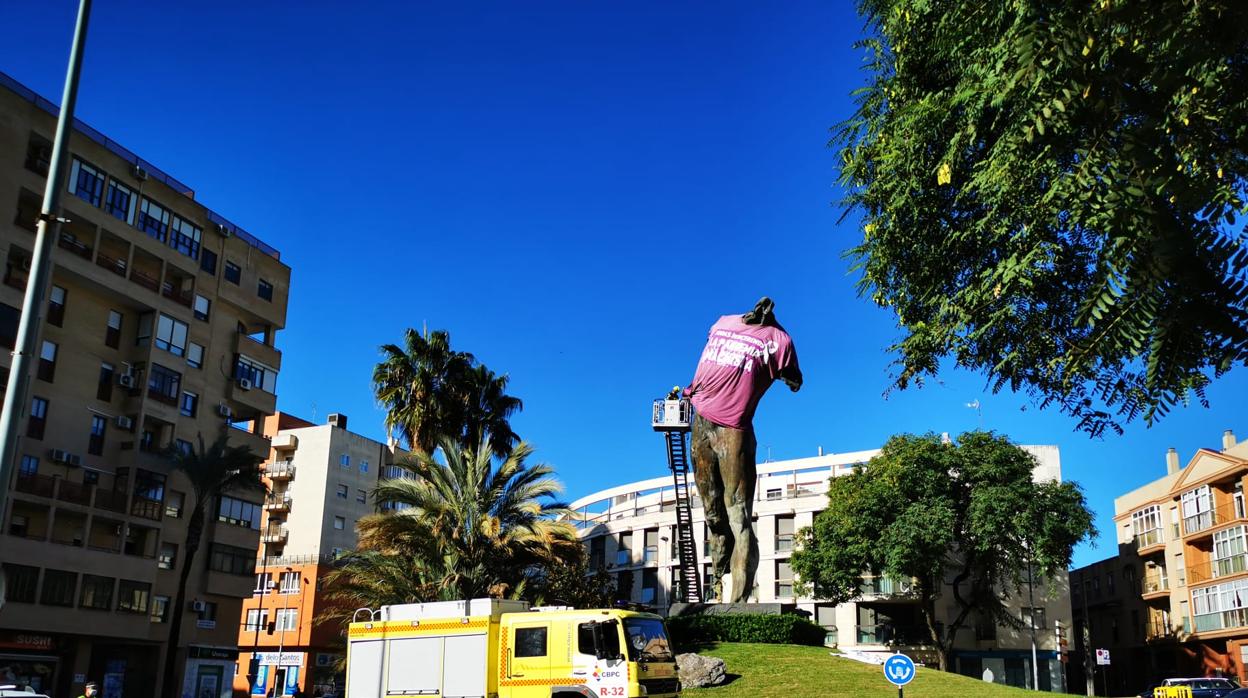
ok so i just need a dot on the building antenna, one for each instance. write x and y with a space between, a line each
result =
314 411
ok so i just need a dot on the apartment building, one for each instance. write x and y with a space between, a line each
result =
159 330
1105 599
629 530
1182 548
320 479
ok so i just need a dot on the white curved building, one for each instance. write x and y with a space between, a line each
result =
628 529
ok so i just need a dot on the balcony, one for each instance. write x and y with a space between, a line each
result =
1215 569
1222 620
253 397
277 503
280 470
1155 587
889 634
873 586
285 442
74 245
265 354
1205 520
274 534
1148 539
38 485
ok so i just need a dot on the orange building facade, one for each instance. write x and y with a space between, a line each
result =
320 480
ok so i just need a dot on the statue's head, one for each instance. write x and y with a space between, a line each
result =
764 313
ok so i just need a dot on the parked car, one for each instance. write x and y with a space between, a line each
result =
1237 693
1204 687
10 691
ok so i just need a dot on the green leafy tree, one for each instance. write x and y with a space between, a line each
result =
485 525
932 511
430 390
574 584
210 472
1049 195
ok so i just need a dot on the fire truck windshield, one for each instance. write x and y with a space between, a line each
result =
647 640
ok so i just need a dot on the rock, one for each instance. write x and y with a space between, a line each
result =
697 671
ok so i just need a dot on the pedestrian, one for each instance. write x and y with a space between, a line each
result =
89 690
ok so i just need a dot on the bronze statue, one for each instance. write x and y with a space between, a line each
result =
744 354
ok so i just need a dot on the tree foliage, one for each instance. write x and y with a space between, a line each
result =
571 582
933 511
430 390
210 471
1049 194
465 527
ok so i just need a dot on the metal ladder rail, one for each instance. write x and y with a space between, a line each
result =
678 461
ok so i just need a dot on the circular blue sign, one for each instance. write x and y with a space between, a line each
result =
899 669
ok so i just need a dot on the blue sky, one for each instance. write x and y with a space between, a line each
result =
575 190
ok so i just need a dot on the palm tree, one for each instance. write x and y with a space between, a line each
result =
489 411
490 524
213 471
421 387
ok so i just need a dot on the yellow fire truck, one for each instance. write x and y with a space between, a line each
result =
492 648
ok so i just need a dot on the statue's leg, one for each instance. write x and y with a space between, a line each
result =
706 473
737 468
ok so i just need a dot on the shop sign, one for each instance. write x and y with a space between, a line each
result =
27 641
286 658
213 653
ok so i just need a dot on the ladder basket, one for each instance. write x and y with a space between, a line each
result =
672 415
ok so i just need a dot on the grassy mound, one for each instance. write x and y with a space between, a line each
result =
792 671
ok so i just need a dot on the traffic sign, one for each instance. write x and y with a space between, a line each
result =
899 670
1102 657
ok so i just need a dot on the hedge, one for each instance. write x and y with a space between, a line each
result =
783 629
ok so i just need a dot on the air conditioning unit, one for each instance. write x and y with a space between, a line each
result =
224 230
223 410
198 606
126 380
73 459
244 383
124 422
139 173
59 456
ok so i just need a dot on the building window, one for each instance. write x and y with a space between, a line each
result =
21 583
1197 509
339 523
95 444
171 335
153 219
167 558
86 182
190 404
132 596
56 306
164 384
784 533
9 318
342 491
232 560
1037 613
530 642
257 619
104 390
287 619
112 334
38 154
361 496
38 418
363 466
160 609
97 592
173 504
232 273
58 588
239 512
47 362
194 355
265 290
29 466
784 579
120 201
208 261
1229 551
263 581
185 236
202 306
289 583
344 460
149 495
183 447
256 374
209 612
1146 524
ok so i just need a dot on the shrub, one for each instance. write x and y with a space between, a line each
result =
783 629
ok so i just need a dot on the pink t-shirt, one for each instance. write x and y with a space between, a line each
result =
738 365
